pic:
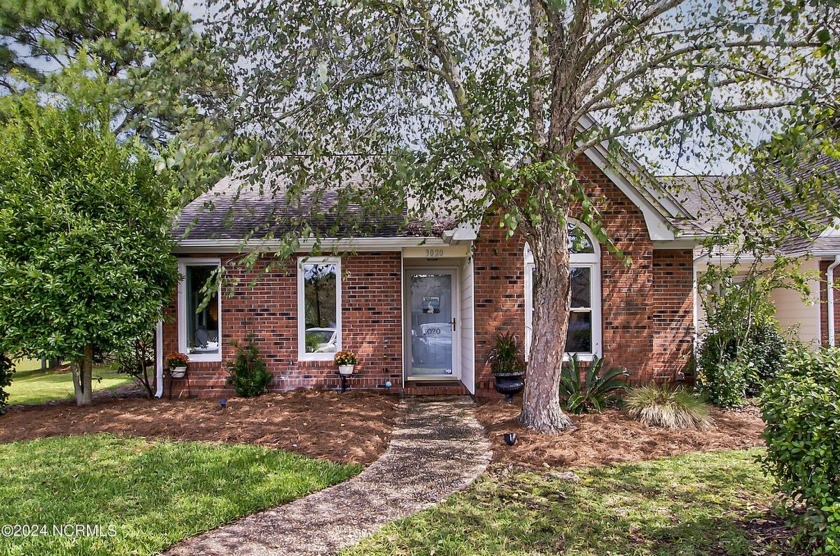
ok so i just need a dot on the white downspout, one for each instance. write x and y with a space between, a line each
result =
159 359
829 278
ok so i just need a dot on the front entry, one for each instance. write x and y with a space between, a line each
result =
431 325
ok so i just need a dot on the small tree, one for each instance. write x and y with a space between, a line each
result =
137 360
85 255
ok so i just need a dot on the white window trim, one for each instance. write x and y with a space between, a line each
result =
183 346
580 260
302 354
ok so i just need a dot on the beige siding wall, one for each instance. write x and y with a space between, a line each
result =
792 311
801 314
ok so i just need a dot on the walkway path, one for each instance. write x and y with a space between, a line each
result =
437 448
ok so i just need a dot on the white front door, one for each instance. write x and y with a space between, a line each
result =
431 325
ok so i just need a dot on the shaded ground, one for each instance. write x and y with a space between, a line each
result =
354 427
438 448
612 437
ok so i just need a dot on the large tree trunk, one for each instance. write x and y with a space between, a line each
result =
83 377
541 403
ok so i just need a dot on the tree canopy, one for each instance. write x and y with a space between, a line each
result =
85 252
145 59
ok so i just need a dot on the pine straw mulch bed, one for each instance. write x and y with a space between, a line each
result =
612 437
354 427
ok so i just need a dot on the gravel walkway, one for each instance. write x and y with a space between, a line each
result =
437 448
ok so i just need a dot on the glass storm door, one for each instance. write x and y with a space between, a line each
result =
431 307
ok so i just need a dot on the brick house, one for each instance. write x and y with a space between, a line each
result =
422 309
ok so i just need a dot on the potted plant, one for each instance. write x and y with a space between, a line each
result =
507 365
346 361
177 364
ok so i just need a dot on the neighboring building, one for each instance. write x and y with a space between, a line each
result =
422 307
815 321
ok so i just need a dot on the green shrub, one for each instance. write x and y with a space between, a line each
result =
248 372
7 368
801 408
590 389
725 383
764 355
663 406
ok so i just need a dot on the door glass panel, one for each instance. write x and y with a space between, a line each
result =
431 324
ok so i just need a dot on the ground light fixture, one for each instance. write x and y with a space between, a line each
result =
223 403
510 438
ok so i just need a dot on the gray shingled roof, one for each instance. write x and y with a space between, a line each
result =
237 209
701 196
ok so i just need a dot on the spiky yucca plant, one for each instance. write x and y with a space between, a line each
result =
663 406
594 389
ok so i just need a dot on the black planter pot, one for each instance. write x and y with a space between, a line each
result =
510 385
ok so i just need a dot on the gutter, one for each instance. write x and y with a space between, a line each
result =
159 360
829 278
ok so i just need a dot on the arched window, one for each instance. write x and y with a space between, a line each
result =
584 334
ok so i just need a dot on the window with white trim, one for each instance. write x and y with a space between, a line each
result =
584 334
319 308
199 310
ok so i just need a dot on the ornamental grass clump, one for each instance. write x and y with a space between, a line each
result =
672 408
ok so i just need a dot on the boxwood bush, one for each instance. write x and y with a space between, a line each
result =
801 408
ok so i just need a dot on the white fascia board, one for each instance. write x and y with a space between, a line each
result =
833 230
351 244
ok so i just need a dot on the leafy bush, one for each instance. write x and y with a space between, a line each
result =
7 368
663 406
248 372
724 383
742 348
505 357
764 354
595 390
801 408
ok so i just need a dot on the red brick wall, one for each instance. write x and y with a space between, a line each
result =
266 304
824 303
647 307
673 314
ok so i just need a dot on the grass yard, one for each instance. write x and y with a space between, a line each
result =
153 493
702 503
37 386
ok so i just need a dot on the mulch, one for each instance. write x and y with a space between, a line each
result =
354 427
611 437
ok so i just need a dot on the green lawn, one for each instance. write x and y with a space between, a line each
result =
694 504
37 386
152 494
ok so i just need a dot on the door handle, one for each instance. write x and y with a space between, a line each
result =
453 324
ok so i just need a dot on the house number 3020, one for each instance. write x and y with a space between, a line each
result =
434 253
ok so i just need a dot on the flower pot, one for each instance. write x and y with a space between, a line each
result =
346 370
178 372
510 384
